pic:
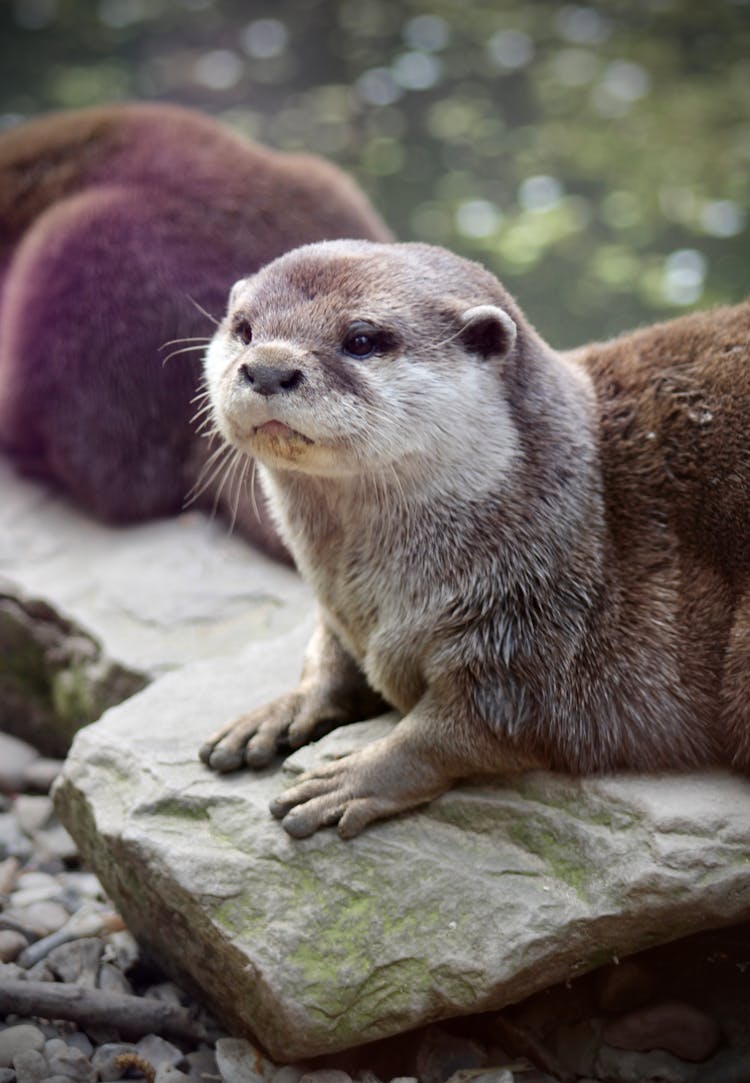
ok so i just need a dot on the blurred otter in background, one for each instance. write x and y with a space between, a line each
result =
121 230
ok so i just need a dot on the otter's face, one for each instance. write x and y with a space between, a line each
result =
337 360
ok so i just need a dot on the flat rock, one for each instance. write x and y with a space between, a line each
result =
89 612
155 595
491 893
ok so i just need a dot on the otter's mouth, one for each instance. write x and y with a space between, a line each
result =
277 430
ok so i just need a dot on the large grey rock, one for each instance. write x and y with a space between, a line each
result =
154 596
89 612
490 893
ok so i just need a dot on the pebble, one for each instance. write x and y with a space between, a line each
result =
40 774
7 1075
66 1060
158 1051
30 1066
240 1062
104 1060
678 1028
291 1074
12 944
15 758
19 1039
167 1073
40 918
32 812
13 842
77 961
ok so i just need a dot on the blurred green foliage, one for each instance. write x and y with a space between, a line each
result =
595 156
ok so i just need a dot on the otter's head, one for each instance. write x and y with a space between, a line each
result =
349 357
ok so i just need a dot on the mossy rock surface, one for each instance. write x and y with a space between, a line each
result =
492 892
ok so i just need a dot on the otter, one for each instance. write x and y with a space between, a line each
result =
540 559
122 229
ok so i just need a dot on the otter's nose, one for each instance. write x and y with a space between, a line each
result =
269 380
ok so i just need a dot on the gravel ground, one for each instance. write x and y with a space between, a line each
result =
678 1014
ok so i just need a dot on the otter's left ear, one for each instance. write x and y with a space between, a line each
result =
488 331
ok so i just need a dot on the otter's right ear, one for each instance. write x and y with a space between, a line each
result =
488 331
235 291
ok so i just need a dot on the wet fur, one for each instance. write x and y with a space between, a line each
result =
540 559
118 225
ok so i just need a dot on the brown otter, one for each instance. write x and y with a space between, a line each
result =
117 226
540 559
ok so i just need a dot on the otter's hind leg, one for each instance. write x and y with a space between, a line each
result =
91 294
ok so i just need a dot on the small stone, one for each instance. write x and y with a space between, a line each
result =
66 1060
30 1066
326 1075
240 1062
77 961
32 813
41 918
13 843
168 992
7 1075
104 1059
15 758
167 1073
12 944
9 869
31 881
112 980
55 842
441 1054
19 1039
57 1079
289 1074
84 884
79 1041
158 1051
624 1066
40 774
202 1066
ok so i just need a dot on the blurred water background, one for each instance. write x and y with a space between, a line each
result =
595 156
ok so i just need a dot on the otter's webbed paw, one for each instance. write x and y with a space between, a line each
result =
286 723
372 784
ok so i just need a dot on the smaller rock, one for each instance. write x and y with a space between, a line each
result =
79 1041
30 1067
55 842
66 1060
40 774
169 1074
41 918
15 758
441 1054
9 869
624 1066
19 1039
158 1052
77 961
290 1074
32 813
203 1067
12 944
112 980
168 992
326 1075
679 1028
104 1060
13 842
7 1075
240 1062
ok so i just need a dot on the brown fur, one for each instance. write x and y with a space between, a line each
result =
116 223
540 559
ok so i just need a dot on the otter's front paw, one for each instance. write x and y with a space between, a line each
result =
372 784
254 739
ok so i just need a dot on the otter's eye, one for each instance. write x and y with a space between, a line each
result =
359 345
242 330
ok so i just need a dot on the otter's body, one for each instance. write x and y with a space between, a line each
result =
540 559
117 225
